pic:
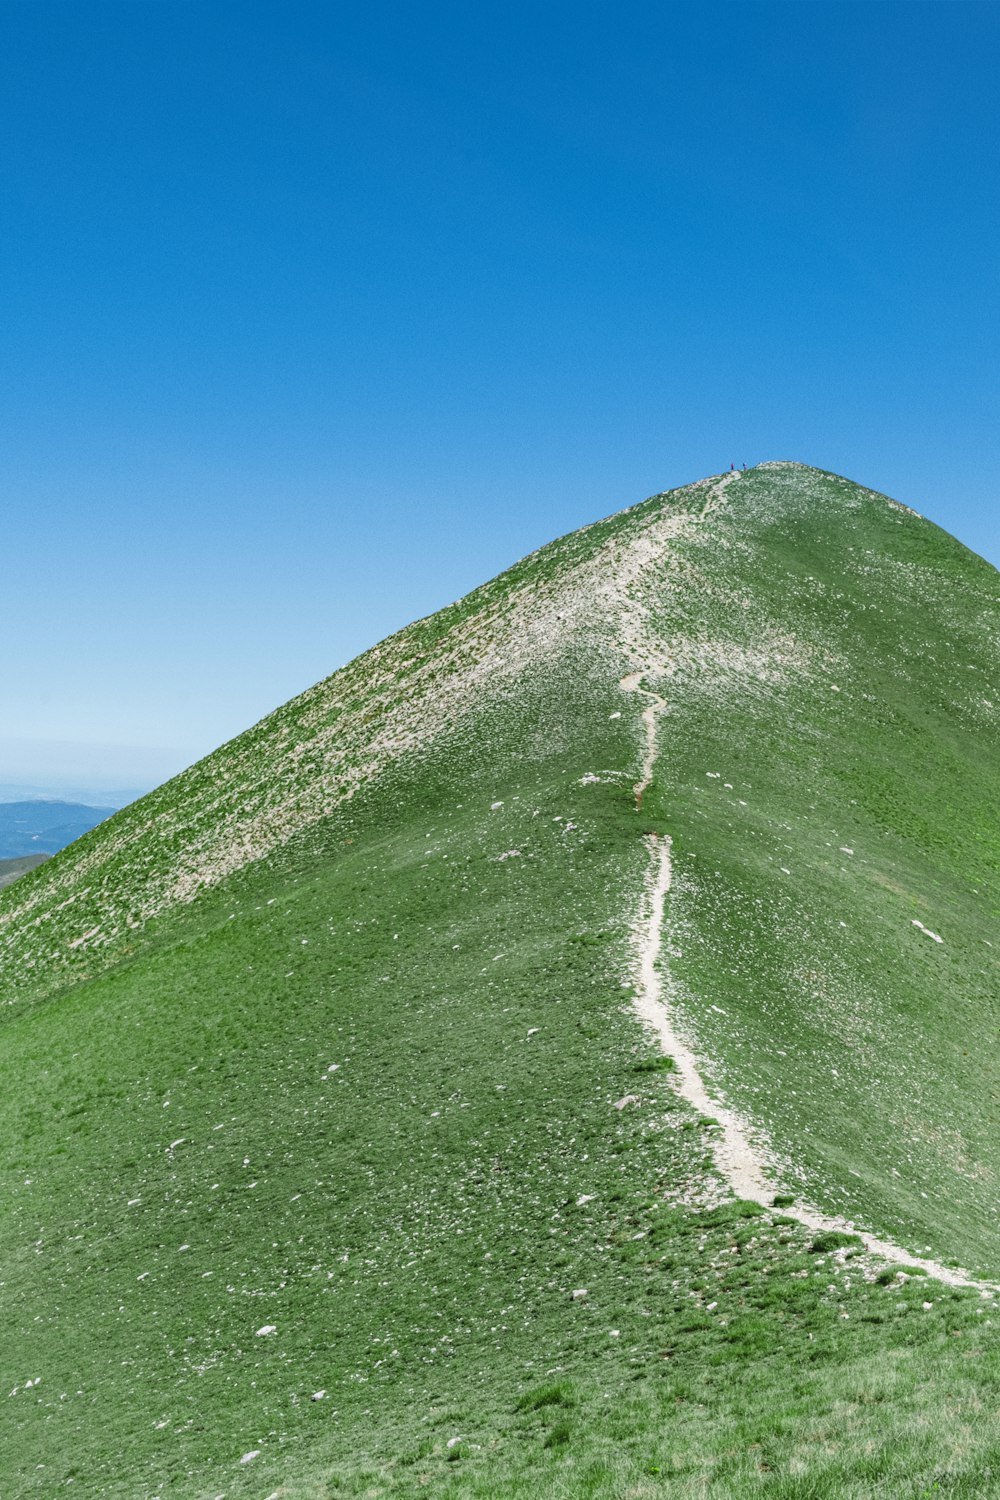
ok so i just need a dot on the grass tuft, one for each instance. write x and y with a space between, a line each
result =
557 1393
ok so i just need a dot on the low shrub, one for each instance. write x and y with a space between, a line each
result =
659 1064
834 1239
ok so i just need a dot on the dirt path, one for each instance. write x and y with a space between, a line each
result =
741 1162
717 493
631 684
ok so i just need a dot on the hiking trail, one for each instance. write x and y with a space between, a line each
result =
741 1162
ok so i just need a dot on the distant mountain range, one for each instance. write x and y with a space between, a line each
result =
59 790
44 827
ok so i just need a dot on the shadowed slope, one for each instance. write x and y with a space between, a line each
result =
13 869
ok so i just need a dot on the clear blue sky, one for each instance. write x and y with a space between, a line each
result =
314 316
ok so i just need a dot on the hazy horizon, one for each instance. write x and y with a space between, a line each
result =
87 796
74 771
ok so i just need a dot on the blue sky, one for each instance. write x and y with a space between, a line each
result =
316 316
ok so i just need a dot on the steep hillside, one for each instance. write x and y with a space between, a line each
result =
334 1123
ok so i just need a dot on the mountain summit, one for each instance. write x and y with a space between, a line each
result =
578 1009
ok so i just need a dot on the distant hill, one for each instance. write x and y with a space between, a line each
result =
44 827
90 794
10 869
483 1079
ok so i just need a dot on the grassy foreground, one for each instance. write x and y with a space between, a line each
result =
318 1165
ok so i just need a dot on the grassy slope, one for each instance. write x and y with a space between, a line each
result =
884 1093
410 1221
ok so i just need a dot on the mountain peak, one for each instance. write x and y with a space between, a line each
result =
687 583
574 1013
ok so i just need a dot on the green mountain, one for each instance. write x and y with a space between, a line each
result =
12 869
555 1055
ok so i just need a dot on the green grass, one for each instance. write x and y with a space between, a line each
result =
363 1088
866 1047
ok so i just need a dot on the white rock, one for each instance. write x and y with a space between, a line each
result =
579 1294
249 1457
317 1395
452 1441
267 1328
